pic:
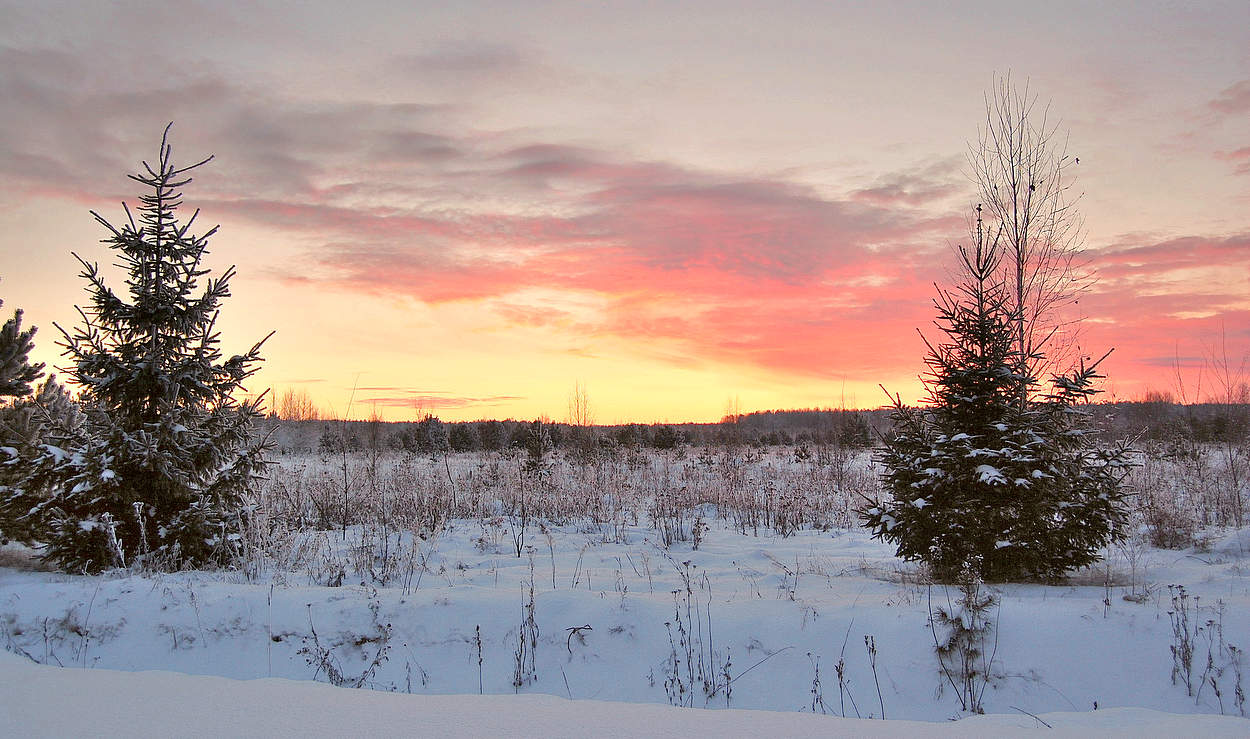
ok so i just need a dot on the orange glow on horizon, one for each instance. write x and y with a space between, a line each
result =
465 210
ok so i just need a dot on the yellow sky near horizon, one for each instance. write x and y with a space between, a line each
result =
467 210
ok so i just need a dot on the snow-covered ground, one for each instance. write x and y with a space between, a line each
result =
744 622
43 701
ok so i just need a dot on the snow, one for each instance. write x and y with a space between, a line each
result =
990 474
1061 649
234 652
163 704
58 454
1235 545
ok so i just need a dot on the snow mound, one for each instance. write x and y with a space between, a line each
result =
1236 545
41 701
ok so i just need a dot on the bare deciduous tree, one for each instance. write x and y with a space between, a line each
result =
581 418
1231 375
580 413
296 405
1022 169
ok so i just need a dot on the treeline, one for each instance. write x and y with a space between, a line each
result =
854 429
1206 423
1150 421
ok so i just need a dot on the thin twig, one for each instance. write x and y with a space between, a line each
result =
1035 716
752 667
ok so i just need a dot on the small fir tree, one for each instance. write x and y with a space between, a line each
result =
16 371
18 422
979 477
25 426
159 466
432 436
463 438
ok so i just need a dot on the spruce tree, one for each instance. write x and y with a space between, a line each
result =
16 414
993 476
16 371
160 464
25 425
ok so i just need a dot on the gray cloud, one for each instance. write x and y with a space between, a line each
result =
465 57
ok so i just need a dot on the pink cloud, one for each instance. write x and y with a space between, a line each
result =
758 272
1240 159
928 185
1163 302
694 265
1164 261
1233 99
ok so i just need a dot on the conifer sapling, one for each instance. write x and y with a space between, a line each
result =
160 465
991 473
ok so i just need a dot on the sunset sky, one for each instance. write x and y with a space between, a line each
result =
466 208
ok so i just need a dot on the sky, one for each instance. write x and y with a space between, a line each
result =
468 209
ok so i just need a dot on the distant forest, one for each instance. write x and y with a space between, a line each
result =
1135 421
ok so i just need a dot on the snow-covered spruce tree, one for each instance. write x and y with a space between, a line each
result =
25 426
16 371
159 466
16 375
980 481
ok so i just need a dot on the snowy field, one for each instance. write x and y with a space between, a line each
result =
162 704
596 617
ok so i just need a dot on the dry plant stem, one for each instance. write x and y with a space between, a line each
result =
844 690
870 643
1036 717
818 696
1182 647
477 640
766 657
551 549
343 465
525 658
576 631
269 633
